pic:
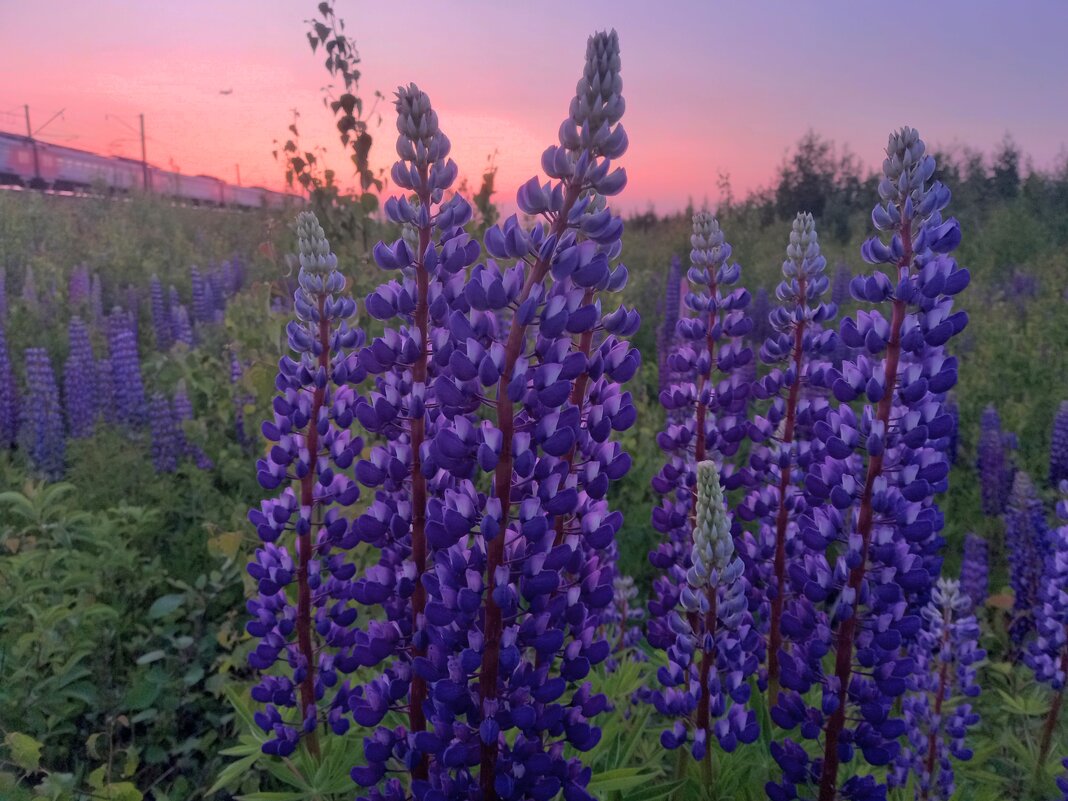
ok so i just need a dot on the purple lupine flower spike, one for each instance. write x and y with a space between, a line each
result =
706 628
79 286
975 570
797 347
79 382
994 463
519 581
202 311
129 390
41 435
1058 447
871 529
404 409
666 332
938 708
166 436
705 686
305 538
843 275
9 396
1027 545
1047 654
161 322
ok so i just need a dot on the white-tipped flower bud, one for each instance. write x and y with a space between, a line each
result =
713 546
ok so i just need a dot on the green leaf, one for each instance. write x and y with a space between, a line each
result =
122 791
25 751
657 790
151 656
619 779
229 775
164 605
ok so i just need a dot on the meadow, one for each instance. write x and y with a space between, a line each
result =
566 615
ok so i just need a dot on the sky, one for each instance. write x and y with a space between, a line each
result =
711 87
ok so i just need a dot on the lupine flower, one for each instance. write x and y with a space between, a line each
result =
994 463
3 294
709 346
1027 544
1062 780
41 435
505 653
105 390
666 332
161 323
797 346
974 570
167 442
181 327
760 311
1058 447
872 526
705 680
79 382
625 616
128 388
9 395
840 286
937 710
305 539
711 643
1047 654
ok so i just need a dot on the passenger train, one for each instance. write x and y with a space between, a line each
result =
67 169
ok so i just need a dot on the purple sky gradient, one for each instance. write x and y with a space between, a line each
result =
710 86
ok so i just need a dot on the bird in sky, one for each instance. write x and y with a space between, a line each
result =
226 91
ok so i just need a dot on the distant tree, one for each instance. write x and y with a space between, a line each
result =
820 179
1005 178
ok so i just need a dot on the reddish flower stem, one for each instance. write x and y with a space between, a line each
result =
700 449
782 518
304 543
932 736
418 693
848 630
502 485
1052 717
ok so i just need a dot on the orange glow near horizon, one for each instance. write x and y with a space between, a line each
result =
709 90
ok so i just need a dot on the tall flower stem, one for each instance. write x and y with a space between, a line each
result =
782 518
418 694
304 543
940 697
502 485
847 632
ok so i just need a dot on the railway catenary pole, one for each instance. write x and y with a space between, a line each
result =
144 156
33 145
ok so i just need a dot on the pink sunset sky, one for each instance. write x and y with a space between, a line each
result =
710 86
